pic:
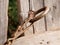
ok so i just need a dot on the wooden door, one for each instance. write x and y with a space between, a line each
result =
49 22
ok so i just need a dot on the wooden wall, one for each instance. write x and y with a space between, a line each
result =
53 18
49 22
3 21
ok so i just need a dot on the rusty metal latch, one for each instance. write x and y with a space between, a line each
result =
31 18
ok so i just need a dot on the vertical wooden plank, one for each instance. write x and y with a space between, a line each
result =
39 26
53 18
24 9
3 21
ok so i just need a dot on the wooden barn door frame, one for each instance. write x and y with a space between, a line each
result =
3 20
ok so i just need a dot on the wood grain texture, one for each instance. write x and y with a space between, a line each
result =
39 26
46 38
53 18
3 21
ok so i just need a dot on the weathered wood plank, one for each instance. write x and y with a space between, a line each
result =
24 5
39 26
47 38
53 18
3 21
